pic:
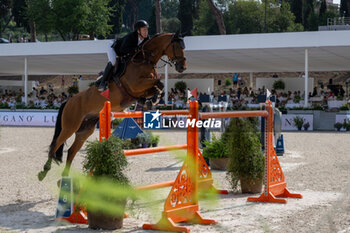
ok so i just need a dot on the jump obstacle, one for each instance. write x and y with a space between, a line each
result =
181 204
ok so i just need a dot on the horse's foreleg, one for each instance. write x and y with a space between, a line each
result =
86 129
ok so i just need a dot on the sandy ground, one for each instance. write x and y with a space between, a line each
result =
317 165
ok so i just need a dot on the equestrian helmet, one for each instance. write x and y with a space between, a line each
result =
140 24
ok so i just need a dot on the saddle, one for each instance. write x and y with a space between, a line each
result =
119 70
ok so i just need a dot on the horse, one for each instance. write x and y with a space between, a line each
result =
140 80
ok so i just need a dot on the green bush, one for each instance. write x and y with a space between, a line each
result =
144 138
155 140
215 148
298 122
106 160
73 90
345 107
338 126
346 125
244 149
115 122
278 85
228 82
181 86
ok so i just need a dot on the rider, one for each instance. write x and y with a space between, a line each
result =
128 47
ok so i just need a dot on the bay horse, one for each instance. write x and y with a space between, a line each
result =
79 114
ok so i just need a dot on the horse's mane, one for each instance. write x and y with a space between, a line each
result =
155 36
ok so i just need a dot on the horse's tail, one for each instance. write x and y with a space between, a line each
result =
58 128
52 154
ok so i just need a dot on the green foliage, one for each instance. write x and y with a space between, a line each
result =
155 140
73 90
116 18
278 85
205 24
106 159
346 124
180 86
298 122
215 148
115 122
185 16
144 138
129 144
249 17
338 126
317 107
306 126
296 99
345 107
70 18
169 8
170 25
228 82
244 149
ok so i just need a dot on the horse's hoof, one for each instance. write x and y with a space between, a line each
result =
42 175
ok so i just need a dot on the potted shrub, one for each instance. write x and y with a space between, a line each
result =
338 126
346 125
106 160
72 90
228 82
306 126
247 159
298 122
181 86
278 85
155 140
216 151
144 139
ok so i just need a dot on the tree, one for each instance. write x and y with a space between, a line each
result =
5 9
168 7
97 18
344 8
158 15
244 17
282 19
185 16
116 18
205 24
218 17
296 7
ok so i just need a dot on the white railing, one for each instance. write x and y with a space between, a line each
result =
338 21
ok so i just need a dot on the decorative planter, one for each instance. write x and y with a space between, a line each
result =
98 220
249 187
219 164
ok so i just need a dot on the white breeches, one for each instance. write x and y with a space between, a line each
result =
112 56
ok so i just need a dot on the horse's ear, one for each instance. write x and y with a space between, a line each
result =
177 33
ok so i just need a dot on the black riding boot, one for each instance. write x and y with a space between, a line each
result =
105 78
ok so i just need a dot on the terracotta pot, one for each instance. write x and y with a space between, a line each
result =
219 164
247 186
98 220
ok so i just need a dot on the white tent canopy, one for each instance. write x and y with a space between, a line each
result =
272 52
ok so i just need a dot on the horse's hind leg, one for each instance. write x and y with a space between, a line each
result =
86 129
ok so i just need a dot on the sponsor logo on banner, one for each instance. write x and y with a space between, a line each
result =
288 122
28 118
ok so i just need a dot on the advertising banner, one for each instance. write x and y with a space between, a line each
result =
288 122
28 118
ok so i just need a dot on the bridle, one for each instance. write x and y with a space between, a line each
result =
175 59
